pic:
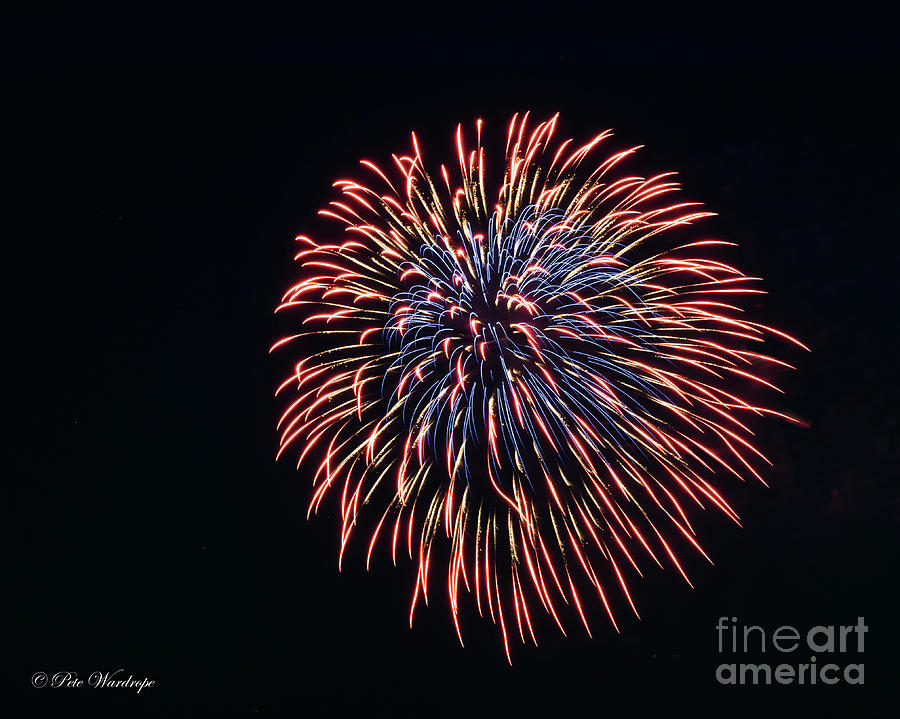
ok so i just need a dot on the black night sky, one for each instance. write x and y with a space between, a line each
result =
153 200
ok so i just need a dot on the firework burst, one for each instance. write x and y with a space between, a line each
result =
526 388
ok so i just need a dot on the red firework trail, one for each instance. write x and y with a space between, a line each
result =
527 387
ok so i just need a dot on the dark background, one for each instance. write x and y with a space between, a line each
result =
152 193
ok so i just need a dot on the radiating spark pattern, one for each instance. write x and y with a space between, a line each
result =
526 389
